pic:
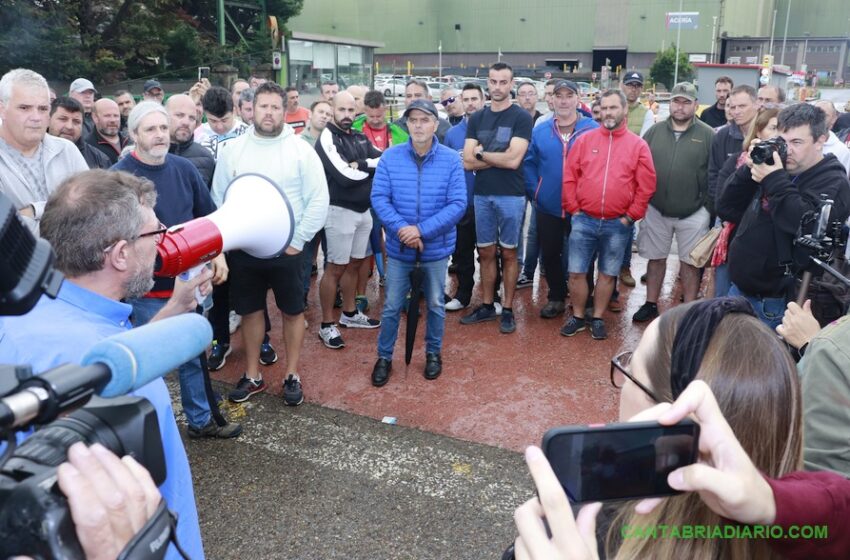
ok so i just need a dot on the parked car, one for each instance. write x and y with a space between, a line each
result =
391 88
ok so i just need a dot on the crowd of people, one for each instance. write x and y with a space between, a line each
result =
569 192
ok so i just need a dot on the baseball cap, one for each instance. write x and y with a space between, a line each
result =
152 84
422 105
566 84
633 77
80 85
684 89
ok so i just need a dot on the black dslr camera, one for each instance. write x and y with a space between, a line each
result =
763 151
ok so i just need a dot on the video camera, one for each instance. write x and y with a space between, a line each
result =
34 515
825 242
763 151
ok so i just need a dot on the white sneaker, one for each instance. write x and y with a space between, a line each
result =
359 321
498 307
455 305
331 337
234 321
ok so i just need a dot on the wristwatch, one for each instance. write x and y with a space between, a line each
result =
479 156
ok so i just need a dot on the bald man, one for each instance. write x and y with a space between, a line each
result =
182 121
358 93
349 160
833 145
107 136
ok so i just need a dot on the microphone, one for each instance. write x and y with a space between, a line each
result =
114 366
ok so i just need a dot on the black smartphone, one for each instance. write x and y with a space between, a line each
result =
610 462
203 72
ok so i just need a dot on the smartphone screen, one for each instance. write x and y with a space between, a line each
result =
620 461
203 72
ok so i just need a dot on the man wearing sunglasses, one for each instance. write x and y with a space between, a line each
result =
450 100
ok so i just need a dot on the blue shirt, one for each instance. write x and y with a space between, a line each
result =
60 331
455 139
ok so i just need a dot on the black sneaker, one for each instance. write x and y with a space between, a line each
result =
246 388
524 281
267 354
481 314
330 337
597 329
218 355
338 299
552 309
647 312
213 430
573 326
507 324
292 393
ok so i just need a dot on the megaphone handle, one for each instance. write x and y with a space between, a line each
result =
203 301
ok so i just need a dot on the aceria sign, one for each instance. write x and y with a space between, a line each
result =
682 20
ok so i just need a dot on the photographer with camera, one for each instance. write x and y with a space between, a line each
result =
104 232
783 179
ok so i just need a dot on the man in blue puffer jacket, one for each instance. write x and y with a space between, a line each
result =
544 175
419 194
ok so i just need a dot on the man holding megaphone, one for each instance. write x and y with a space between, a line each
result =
270 152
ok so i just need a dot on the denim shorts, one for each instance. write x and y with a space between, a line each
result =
498 218
610 238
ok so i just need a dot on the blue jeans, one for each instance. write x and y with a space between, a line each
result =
395 294
627 257
722 282
498 219
591 235
193 393
769 310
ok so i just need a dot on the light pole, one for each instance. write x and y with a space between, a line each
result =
678 41
713 37
772 31
785 36
440 59
805 50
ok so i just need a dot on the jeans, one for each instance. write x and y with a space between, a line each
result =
722 282
193 393
627 257
498 219
532 247
769 310
395 293
554 237
589 235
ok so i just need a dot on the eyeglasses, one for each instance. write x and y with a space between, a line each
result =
159 235
448 101
620 366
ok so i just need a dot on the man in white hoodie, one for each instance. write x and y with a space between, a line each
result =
272 149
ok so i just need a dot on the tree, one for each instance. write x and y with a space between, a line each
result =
663 69
112 40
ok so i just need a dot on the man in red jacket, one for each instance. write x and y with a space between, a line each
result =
609 178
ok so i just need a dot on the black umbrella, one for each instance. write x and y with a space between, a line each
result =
417 277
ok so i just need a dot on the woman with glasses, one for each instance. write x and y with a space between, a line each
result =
722 343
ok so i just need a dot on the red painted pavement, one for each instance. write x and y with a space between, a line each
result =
502 390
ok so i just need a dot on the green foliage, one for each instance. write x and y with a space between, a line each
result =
663 69
112 40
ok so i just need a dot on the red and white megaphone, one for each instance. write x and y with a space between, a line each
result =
256 217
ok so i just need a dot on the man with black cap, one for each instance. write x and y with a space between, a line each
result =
544 176
83 91
153 91
640 118
419 194
680 148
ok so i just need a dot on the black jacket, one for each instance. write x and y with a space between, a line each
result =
727 141
95 159
713 116
348 188
770 213
200 157
99 143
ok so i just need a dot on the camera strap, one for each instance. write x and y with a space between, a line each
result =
151 542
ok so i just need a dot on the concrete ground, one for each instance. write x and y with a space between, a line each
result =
329 480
